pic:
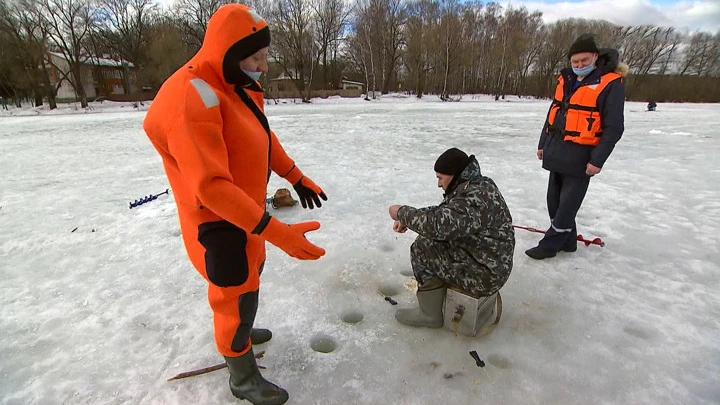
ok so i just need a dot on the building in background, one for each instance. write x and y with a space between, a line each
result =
351 85
285 86
101 77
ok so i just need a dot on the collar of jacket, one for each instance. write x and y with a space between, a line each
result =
455 189
470 172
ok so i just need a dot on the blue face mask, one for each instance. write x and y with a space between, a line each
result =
584 71
253 75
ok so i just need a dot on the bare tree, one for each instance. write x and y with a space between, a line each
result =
420 39
694 52
526 45
70 23
700 54
441 47
330 22
558 38
25 38
451 35
644 46
606 34
382 22
671 55
13 80
304 33
394 18
475 53
165 54
360 48
314 53
293 45
192 17
124 27
713 65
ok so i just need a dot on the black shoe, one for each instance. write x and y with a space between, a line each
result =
569 248
260 336
247 383
539 253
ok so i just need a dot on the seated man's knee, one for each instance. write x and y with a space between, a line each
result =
424 260
420 247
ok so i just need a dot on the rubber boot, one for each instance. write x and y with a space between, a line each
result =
260 336
540 253
247 383
429 314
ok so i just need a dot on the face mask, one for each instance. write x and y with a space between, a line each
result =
253 75
584 71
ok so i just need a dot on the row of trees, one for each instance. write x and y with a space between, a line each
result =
452 47
445 47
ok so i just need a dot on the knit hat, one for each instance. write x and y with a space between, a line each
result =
246 46
584 43
452 162
250 44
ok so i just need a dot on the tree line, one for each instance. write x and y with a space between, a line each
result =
445 48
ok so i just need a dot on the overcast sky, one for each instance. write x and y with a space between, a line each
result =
696 15
701 15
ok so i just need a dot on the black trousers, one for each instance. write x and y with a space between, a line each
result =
565 195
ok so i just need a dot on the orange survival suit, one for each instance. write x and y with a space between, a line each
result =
208 124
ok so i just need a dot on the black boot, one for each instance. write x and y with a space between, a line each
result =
247 383
539 253
260 336
571 247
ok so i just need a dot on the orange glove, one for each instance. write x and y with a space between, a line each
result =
291 239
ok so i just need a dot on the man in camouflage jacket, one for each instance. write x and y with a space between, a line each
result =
466 242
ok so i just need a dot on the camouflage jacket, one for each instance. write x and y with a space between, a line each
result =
472 221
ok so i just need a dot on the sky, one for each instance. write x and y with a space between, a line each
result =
700 15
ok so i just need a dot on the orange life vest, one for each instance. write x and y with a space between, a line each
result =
582 121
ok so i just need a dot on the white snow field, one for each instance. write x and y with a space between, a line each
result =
106 313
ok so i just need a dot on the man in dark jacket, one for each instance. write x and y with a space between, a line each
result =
467 241
583 125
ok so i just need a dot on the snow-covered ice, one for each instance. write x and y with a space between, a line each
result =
107 313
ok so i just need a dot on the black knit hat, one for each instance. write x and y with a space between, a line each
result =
241 50
251 44
584 43
452 162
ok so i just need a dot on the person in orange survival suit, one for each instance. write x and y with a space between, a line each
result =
208 124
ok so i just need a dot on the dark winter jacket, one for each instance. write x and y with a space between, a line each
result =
569 157
474 224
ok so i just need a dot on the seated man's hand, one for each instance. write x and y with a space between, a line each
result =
394 210
399 227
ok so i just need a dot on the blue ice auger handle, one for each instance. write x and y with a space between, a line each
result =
147 198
